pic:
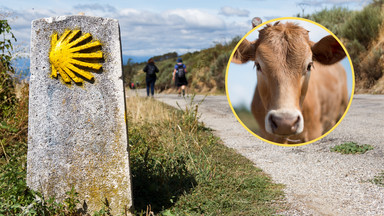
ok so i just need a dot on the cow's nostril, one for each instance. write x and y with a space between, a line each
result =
273 123
295 124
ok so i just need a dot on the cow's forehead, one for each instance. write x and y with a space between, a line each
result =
287 29
284 43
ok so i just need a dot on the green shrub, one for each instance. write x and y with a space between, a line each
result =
333 19
7 89
364 25
218 70
351 148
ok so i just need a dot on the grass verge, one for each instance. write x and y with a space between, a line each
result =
180 168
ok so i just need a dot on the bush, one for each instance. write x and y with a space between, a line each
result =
371 68
364 25
333 19
218 70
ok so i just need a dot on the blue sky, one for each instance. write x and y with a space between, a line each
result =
241 78
154 27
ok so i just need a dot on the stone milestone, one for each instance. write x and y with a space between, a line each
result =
77 132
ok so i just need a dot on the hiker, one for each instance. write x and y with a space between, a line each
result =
150 69
179 76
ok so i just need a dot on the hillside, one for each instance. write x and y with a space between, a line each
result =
206 69
362 33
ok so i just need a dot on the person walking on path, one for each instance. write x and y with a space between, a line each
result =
150 69
179 76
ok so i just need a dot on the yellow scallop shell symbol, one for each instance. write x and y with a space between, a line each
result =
68 54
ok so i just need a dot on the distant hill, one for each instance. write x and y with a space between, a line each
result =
206 69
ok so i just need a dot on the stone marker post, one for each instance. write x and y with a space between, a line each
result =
77 135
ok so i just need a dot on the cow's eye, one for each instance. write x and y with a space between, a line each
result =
258 67
309 67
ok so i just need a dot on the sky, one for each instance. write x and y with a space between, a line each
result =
154 27
241 78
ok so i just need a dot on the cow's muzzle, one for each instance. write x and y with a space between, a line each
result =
284 122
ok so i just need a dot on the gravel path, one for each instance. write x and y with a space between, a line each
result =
318 182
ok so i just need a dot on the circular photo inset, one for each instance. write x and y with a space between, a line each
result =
289 81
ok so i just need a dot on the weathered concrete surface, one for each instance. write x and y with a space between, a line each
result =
77 135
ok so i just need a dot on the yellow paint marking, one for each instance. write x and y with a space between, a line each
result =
64 76
54 72
78 40
86 46
83 73
65 49
97 54
85 64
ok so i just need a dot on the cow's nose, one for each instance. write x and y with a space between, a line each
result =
284 123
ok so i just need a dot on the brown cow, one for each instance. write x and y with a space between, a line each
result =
301 89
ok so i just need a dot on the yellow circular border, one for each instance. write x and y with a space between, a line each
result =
350 100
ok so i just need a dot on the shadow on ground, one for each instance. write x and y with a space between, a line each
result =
159 182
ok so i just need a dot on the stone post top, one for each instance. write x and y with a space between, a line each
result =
68 17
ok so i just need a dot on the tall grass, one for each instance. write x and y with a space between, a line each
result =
180 168
149 110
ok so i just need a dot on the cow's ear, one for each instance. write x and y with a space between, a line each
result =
245 52
328 51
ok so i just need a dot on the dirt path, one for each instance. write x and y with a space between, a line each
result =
318 182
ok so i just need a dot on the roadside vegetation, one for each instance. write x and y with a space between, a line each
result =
351 148
180 168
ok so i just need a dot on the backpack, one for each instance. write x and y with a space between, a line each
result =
180 70
151 70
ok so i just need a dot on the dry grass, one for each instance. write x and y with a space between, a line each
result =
146 109
14 129
372 66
